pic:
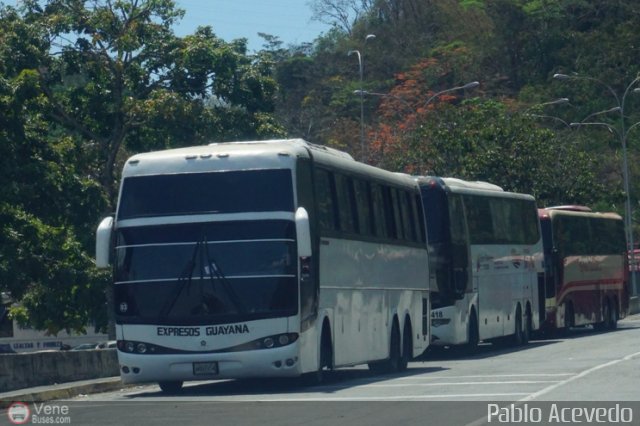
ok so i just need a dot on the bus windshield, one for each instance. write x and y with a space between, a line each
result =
199 273
211 192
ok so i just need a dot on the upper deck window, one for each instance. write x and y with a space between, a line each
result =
211 192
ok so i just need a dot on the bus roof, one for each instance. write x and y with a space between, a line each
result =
214 156
456 185
244 155
571 207
453 183
551 212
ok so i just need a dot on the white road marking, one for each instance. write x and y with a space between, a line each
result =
578 376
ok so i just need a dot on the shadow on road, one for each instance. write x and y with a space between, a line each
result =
335 380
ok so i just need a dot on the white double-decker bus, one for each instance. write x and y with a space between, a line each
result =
486 253
264 259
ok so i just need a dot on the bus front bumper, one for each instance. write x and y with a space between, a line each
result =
144 368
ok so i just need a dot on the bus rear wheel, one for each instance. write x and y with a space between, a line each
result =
614 316
606 317
518 334
173 386
394 362
528 326
407 346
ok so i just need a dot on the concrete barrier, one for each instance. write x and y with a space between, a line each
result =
19 371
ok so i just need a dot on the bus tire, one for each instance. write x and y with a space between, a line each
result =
473 334
518 335
610 321
606 317
171 387
569 315
326 358
614 315
395 349
407 346
392 363
527 326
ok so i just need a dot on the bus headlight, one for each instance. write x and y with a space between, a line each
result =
283 339
141 348
268 342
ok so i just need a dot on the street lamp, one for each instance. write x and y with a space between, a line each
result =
383 95
622 134
470 85
559 101
357 53
362 93
410 107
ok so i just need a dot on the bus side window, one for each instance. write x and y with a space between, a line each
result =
379 211
418 215
325 199
479 219
389 212
408 222
459 244
363 202
344 193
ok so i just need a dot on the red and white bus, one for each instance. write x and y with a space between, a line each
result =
586 269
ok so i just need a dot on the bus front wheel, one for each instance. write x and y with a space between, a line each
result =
325 361
171 386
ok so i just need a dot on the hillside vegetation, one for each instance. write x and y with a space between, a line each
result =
83 85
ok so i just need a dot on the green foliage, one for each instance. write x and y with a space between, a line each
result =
482 140
83 85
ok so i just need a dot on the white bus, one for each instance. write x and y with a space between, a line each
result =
486 253
264 259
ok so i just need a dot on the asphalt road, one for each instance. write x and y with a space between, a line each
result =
582 371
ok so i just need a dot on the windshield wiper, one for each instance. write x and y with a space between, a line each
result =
184 280
215 272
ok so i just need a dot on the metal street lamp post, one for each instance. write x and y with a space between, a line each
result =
362 93
470 85
622 134
559 101
361 71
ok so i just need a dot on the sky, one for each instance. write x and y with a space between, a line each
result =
289 20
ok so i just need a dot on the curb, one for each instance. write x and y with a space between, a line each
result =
61 391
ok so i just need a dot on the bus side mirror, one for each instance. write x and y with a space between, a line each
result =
303 232
103 242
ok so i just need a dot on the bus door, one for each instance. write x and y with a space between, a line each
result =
447 240
459 246
547 289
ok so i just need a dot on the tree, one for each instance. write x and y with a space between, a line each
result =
342 14
120 79
83 85
47 205
483 140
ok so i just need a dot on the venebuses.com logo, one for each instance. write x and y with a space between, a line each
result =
18 413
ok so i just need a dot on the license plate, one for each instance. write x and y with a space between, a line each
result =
205 368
